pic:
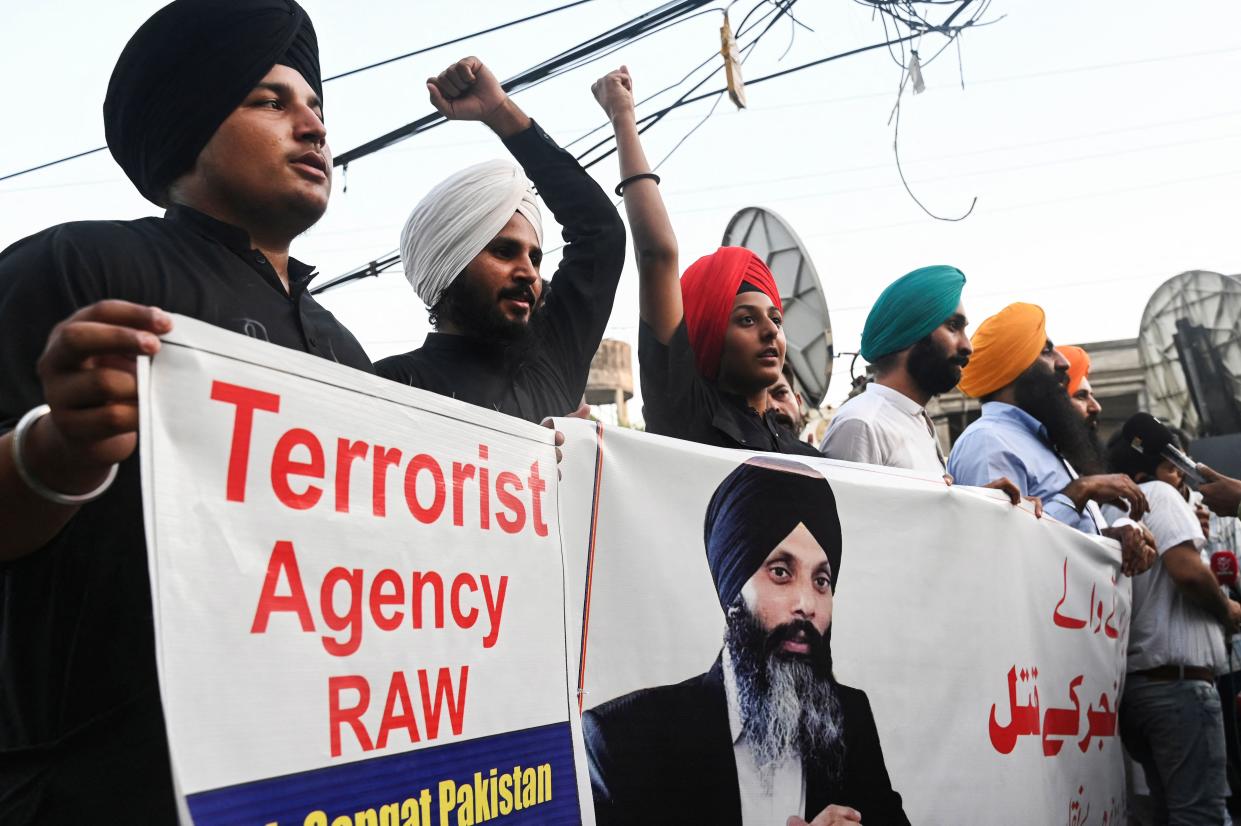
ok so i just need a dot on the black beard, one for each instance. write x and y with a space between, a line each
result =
1041 393
478 314
932 369
787 703
784 420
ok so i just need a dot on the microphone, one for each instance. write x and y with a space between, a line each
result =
1149 436
1224 566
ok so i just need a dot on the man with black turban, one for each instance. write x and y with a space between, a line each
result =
767 736
214 111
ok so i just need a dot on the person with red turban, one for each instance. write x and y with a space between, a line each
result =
710 346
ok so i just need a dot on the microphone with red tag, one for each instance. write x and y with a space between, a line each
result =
1224 566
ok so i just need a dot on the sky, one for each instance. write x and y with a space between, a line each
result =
1104 149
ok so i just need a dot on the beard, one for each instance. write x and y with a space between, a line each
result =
787 703
1042 393
785 420
932 368
469 306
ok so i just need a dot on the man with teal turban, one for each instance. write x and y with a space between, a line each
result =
915 340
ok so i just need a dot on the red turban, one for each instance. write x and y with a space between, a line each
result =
708 288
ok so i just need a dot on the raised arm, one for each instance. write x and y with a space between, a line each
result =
654 243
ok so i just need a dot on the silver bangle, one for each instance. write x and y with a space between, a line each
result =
19 435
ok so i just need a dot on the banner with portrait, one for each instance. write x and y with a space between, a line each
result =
988 645
379 606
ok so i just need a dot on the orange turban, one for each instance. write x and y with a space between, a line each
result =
1079 365
1004 346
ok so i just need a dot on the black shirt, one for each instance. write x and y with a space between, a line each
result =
677 401
546 374
80 718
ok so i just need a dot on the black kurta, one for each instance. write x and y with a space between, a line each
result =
677 401
545 376
81 729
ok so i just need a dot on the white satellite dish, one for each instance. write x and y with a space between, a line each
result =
806 324
1190 347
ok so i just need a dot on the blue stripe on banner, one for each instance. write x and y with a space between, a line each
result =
407 789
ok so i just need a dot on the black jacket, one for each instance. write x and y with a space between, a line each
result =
665 755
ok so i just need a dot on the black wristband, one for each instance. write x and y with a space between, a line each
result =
620 188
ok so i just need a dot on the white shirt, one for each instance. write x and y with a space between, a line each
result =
760 805
882 426
1168 628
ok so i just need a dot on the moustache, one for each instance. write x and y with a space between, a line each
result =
802 629
519 293
959 361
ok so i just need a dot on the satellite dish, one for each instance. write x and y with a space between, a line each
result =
1190 348
806 324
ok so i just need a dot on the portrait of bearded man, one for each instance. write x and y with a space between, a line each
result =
767 735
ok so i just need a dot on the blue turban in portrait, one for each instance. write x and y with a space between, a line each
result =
910 309
755 508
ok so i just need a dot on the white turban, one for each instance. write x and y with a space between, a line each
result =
457 220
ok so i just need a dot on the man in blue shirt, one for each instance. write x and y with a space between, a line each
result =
1030 433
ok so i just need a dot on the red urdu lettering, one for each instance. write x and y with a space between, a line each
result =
283 558
339 715
247 400
283 466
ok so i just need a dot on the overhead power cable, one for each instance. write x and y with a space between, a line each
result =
358 70
388 261
566 60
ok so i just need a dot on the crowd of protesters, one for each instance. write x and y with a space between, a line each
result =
215 113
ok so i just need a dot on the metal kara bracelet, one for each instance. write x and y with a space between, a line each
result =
19 436
620 188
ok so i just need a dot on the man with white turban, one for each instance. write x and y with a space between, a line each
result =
472 248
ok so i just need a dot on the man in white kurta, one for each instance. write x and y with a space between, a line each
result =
915 340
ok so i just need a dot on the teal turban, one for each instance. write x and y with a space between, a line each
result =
910 309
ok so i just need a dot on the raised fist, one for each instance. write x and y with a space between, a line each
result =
467 90
614 92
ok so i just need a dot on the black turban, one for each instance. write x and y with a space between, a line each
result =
755 508
186 69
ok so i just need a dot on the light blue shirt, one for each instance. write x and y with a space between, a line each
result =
1007 441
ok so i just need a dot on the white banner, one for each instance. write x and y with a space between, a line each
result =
358 591
376 605
990 644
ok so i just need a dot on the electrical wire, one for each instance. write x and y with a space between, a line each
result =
348 73
391 259
565 61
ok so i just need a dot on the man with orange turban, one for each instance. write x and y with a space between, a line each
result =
1030 433
1080 391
